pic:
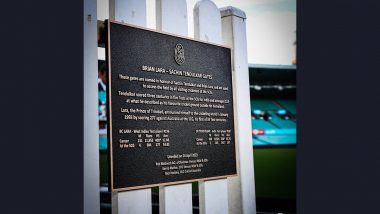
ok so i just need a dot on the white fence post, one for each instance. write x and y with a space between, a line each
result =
241 189
171 17
128 11
176 199
213 196
135 201
90 113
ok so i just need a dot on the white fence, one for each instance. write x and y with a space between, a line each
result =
223 26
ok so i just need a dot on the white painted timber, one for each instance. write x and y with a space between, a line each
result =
207 22
213 195
115 203
136 201
90 113
103 9
176 199
128 11
171 17
241 189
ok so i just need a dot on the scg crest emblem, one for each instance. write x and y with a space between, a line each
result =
179 54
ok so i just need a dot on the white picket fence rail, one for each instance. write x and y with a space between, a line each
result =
222 26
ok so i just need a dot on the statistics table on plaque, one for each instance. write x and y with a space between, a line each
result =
170 106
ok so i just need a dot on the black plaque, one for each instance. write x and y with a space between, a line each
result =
170 109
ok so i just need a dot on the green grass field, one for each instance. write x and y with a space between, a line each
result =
275 173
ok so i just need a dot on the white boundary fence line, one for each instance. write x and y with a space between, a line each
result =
227 26
135 201
171 17
213 195
241 189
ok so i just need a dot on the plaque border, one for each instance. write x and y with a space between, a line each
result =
109 107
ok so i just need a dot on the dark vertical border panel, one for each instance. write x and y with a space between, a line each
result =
42 105
338 150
